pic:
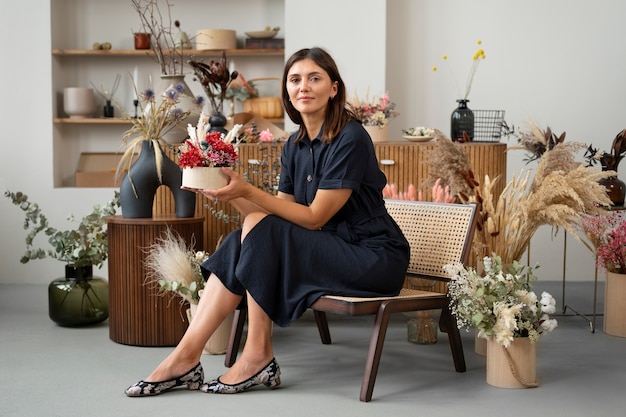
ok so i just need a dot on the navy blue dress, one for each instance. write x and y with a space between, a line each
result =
359 252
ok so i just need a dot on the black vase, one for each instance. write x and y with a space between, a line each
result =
140 183
79 298
462 120
217 122
615 189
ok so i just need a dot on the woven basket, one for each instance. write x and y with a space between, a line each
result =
267 107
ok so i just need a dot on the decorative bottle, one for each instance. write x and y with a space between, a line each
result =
462 120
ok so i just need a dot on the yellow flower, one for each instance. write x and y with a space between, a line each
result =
476 58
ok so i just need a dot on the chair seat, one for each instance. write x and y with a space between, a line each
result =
359 306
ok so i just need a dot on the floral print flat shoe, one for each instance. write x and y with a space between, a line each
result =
193 379
268 376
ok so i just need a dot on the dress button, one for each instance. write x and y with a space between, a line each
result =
309 178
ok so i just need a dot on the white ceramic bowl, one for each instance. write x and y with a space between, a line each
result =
262 34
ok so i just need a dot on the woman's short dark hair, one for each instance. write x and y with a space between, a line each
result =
337 115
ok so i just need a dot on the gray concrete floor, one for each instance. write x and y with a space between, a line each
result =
49 370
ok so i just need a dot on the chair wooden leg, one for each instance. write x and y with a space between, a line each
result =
236 333
448 322
375 351
322 326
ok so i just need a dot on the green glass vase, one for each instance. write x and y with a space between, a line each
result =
79 298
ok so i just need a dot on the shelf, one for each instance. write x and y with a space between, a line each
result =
185 52
92 120
115 121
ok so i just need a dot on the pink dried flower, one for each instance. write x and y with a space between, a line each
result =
607 234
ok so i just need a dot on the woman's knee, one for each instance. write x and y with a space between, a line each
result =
250 222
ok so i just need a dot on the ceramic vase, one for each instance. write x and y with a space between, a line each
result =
517 369
615 189
378 133
218 122
140 183
78 102
78 298
615 304
461 120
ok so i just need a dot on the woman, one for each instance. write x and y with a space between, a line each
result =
327 231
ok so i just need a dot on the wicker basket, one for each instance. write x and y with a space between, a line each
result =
266 107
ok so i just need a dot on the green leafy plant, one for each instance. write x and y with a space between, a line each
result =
83 246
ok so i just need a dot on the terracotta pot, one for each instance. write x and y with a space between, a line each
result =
517 369
142 40
615 304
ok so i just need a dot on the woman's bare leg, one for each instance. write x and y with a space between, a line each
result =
257 351
215 304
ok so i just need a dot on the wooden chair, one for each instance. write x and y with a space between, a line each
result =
439 234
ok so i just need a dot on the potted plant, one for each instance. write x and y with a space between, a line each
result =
374 115
174 267
607 234
500 303
79 297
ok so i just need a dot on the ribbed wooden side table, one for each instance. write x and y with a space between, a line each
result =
138 314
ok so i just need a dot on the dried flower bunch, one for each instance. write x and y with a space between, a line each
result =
607 234
175 267
252 134
446 161
476 58
167 52
535 141
215 78
208 149
501 302
561 191
608 161
157 118
85 245
377 112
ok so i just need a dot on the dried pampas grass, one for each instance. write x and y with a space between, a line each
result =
446 162
555 197
174 266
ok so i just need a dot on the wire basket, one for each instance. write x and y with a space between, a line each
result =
488 125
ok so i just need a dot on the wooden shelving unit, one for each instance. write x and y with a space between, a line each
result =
148 53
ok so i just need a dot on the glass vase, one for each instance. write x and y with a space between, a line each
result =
462 120
78 298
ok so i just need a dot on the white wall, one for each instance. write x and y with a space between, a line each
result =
562 63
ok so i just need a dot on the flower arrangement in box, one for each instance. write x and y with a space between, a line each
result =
376 112
204 153
501 302
607 233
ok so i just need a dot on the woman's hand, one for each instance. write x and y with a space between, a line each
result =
237 187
